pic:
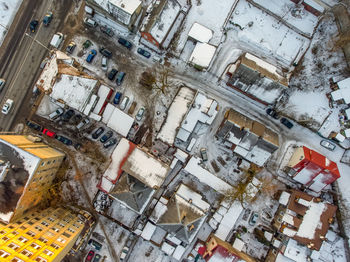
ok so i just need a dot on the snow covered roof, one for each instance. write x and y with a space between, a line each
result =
75 91
308 222
175 115
129 6
119 121
148 231
284 198
103 93
146 168
203 110
205 176
179 251
229 220
189 195
167 248
343 92
202 55
295 252
238 244
314 5
200 33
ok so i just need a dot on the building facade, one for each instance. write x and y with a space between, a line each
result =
40 236
27 169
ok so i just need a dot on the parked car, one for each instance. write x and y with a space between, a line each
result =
108 31
98 132
253 219
71 47
124 253
120 78
104 63
56 114
204 154
33 25
286 122
95 244
328 145
117 97
7 106
49 133
64 140
47 18
110 142
33 126
97 258
83 123
144 52
56 40
90 22
140 114
2 84
89 256
87 44
125 43
105 52
132 108
124 103
111 75
91 56
68 115
272 112
106 136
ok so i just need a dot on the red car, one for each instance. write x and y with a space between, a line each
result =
49 133
90 256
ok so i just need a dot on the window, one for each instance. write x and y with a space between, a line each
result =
23 227
61 224
26 218
75 225
26 253
5 238
35 246
45 223
55 246
66 235
22 239
48 252
4 254
36 218
40 259
19 222
2 232
42 163
49 234
13 246
44 240
71 230
48 162
14 233
38 228
12 227
51 219
30 233
60 239
16 259
53 161
55 229
30 223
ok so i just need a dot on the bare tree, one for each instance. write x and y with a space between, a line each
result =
157 78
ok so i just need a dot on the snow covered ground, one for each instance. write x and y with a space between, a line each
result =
8 10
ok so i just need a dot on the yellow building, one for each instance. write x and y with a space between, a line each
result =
27 169
40 236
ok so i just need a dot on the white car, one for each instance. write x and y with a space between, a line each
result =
104 63
7 106
328 145
124 253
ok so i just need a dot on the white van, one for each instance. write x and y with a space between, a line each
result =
56 40
7 106
191 144
90 22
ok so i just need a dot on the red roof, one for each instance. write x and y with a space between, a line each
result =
321 161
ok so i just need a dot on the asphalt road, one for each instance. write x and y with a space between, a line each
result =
22 53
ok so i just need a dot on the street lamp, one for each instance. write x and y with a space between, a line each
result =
37 41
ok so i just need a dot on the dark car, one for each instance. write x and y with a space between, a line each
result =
253 219
108 31
272 112
144 52
286 122
47 18
125 43
106 136
105 52
87 44
110 142
98 132
95 244
33 25
71 47
120 78
64 140
97 258
33 126
117 97
68 115
89 256
91 56
111 75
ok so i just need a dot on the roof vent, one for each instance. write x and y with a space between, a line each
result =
122 5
